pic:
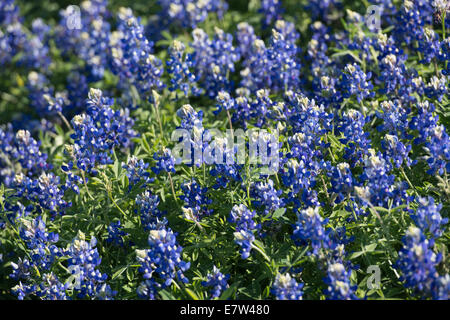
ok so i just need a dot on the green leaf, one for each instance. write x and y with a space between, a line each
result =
119 272
279 213
192 294
229 292
370 247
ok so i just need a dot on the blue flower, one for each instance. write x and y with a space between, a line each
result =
271 10
428 217
338 281
137 172
116 234
83 263
286 288
164 161
151 216
245 227
267 197
310 229
132 58
179 66
99 131
195 200
217 281
214 60
356 82
417 261
161 264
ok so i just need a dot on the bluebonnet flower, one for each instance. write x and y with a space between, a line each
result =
20 148
99 131
161 264
271 10
179 66
429 45
393 72
36 55
245 226
307 117
242 112
73 181
214 60
417 261
244 238
342 181
77 90
195 136
441 288
338 281
355 138
217 281
245 37
410 20
151 216
189 13
286 288
396 151
424 122
275 67
437 88
260 106
56 103
327 89
40 29
195 200
266 196
45 191
224 101
41 244
189 117
317 49
116 234
444 55
51 288
300 176
9 12
164 161
225 169
83 263
137 172
13 37
428 217
16 210
310 228
356 82
389 10
438 148
323 9
27 153
22 291
89 39
132 58
21 269
394 116
39 88
282 54
381 186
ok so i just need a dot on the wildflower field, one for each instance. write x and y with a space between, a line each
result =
224 149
